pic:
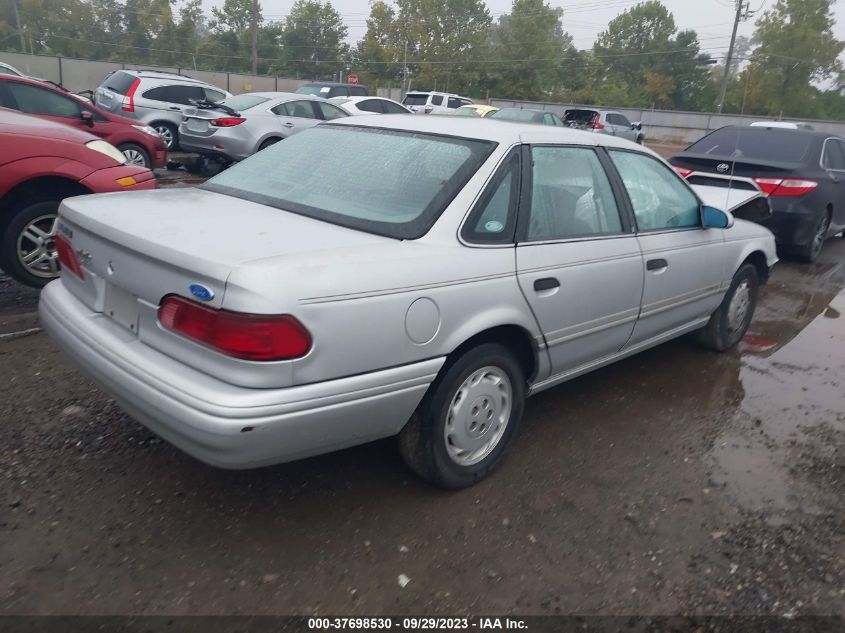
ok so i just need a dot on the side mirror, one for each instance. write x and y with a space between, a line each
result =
87 117
636 126
713 218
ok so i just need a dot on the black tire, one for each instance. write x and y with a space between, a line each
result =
267 143
10 261
719 334
423 442
136 155
169 134
811 251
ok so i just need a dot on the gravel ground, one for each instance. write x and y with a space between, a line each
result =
675 482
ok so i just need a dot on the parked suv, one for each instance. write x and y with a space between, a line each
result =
155 98
139 143
330 89
434 102
604 122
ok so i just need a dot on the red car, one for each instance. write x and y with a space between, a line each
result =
140 143
41 164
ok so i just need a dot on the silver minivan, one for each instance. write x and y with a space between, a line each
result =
155 98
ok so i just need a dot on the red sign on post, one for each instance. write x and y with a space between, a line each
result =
352 79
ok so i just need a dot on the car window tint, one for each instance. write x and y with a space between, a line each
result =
119 82
415 99
454 102
35 100
834 158
571 195
437 100
622 120
330 112
156 94
214 95
780 145
370 105
183 95
661 200
298 109
393 108
493 219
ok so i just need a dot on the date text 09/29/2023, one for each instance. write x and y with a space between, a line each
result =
416 623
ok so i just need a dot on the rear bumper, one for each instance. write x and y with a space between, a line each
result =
791 221
226 143
222 424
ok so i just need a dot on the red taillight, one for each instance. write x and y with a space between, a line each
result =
785 187
683 172
129 97
227 121
67 256
597 124
260 337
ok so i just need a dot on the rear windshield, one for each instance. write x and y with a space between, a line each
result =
397 185
119 82
514 115
313 90
782 146
244 102
585 116
417 100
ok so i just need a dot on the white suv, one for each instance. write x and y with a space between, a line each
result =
434 102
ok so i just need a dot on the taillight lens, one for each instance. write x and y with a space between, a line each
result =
129 97
259 337
227 121
67 256
785 187
683 172
597 124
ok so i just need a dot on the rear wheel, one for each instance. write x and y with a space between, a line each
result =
813 249
168 134
27 246
463 426
136 155
729 323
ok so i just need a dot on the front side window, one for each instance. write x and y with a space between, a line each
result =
571 195
298 109
661 200
493 219
35 100
412 99
397 186
454 102
437 100
622 120
834 157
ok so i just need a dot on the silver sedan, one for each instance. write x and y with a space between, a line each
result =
302 302
240 126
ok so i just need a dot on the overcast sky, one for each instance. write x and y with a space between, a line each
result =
584 19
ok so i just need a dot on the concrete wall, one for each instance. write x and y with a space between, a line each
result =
78 74
673 127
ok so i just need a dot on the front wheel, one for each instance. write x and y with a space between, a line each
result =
28 244
463 426
729 323
135 155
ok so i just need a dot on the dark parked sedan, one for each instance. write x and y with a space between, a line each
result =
527 116
802 172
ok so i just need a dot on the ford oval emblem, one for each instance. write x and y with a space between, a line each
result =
201 292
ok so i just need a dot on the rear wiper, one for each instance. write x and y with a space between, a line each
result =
205 104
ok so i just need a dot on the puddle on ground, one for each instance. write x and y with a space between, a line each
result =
792 378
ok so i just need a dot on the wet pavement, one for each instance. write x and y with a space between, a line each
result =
677 481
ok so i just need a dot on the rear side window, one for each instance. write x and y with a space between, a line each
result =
454 102
182 95
415 99
834 156
35 100
119 82
298 109
493 219
370 105
783 146
437 100
329 111
393 108
398 184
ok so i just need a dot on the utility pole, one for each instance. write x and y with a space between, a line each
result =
737 18
18 21
405 67
253 25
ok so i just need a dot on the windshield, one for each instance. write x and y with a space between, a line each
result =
776 145
312 90
417 100
397 185
514 115
244 102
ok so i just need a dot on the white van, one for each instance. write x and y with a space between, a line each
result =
434 102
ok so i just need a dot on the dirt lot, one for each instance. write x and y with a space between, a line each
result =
677 481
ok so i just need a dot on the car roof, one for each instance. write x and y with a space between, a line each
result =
18 123
331 83
498 131
358 98
758 129
281 95
163 75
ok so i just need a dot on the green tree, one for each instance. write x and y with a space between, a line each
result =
379 54
313 40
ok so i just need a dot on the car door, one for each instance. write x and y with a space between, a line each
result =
623 127
683 264
578 261
833 162
295 116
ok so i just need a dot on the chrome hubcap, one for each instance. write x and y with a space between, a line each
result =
478 415
165 134
738 308
135 158
37 247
